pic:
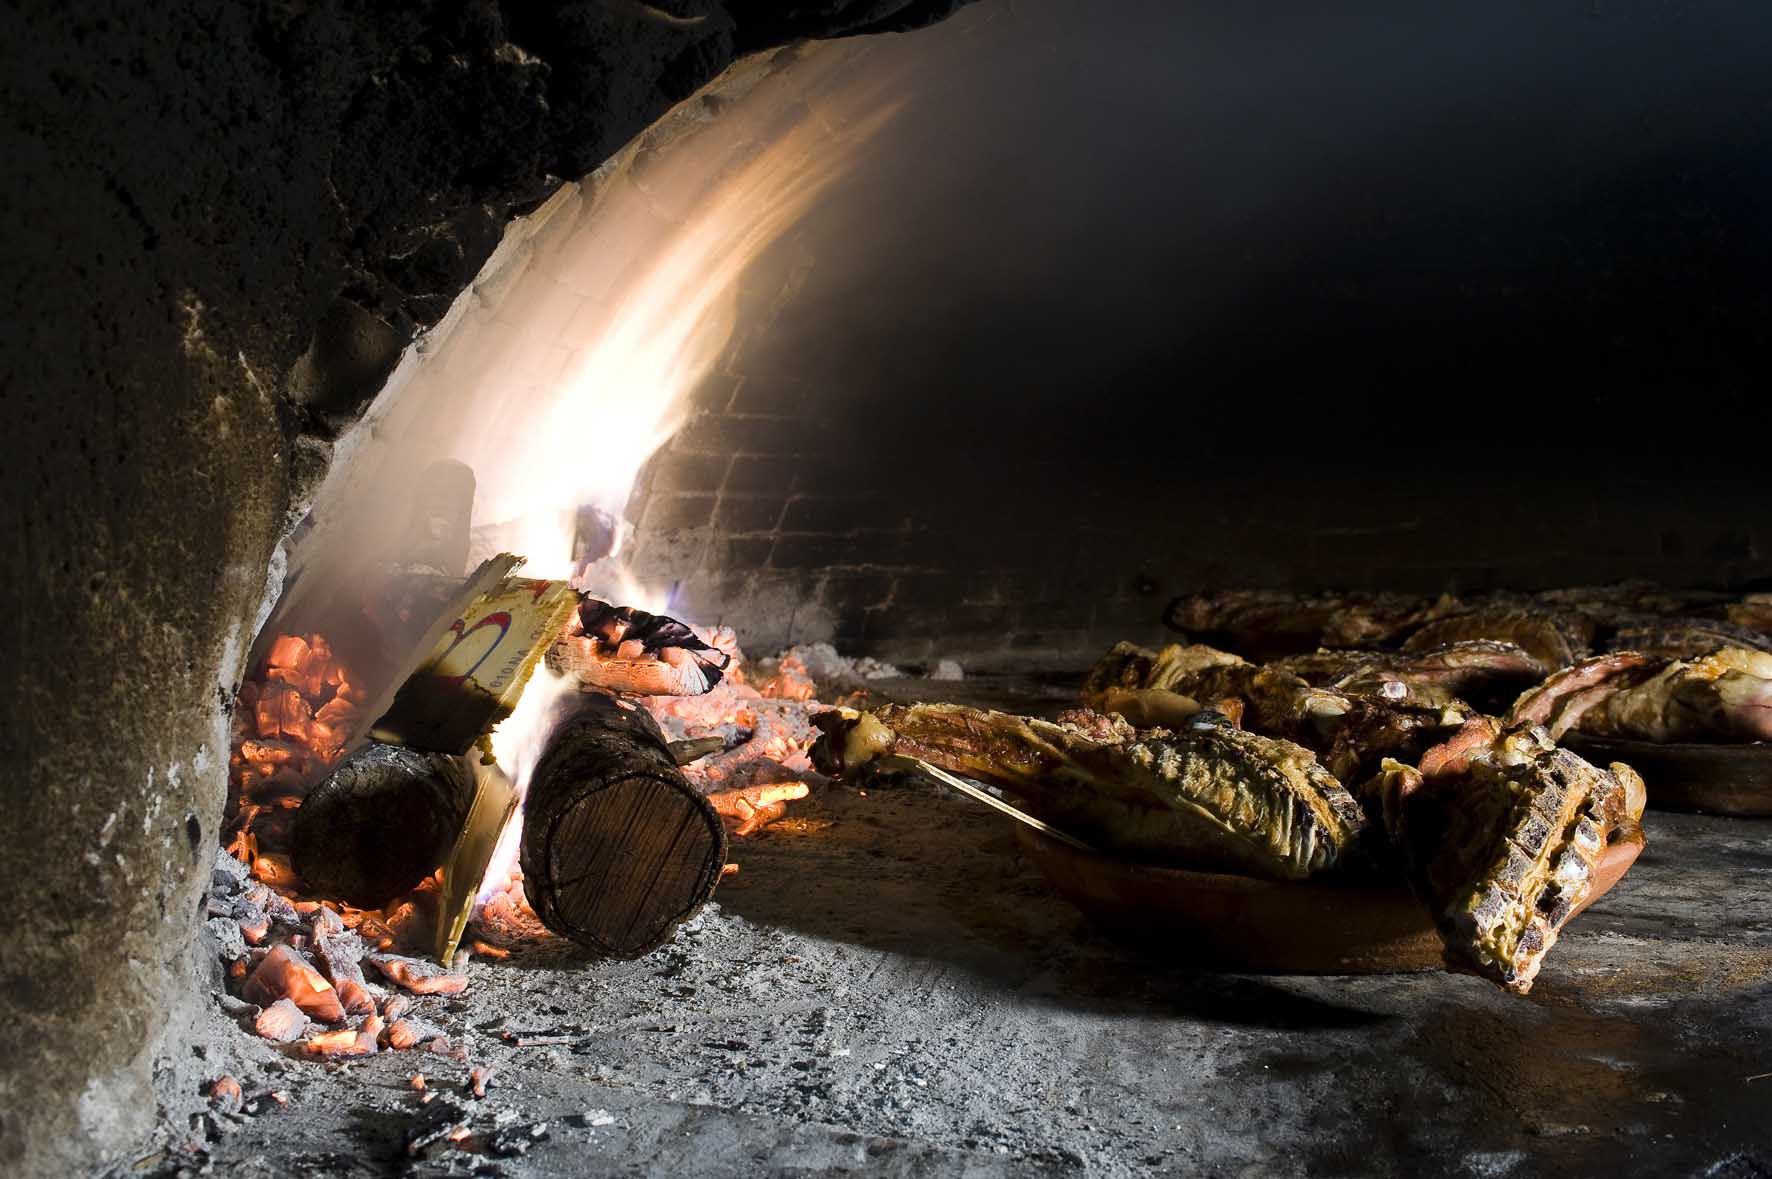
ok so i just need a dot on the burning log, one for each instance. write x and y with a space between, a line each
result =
380 824
617 847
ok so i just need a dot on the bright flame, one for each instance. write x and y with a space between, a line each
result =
659 324
517 744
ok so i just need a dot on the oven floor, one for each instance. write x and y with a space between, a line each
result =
888 986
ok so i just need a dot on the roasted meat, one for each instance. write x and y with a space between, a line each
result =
1723 696
1267 623
1684 638
1608 604
1754 612
1351 732
1500 834
1483 672
1162 688
1209 797
1555 638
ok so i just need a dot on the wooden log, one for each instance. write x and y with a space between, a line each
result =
381 823
617 847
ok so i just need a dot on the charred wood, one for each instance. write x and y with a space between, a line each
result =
617 847
380 824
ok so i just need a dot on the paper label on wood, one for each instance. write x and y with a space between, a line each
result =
474 674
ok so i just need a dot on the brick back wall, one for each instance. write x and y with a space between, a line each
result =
1102 319
796 512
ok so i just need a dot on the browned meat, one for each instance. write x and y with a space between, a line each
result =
1554 638
1264 624
1607 604
1723 696
1208 797
1482 671
1559 702
1501 834
1685 638
1753 612
1163 688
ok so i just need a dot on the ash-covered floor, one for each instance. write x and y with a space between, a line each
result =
888 986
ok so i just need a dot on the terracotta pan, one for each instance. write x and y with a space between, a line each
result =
1245 923
1686 776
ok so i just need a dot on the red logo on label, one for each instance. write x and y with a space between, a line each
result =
501 620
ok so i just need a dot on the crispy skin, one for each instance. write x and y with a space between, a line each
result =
1554 638
1211 798
1608 605
1351 732
1500 838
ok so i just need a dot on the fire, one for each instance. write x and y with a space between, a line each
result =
290 724
583 439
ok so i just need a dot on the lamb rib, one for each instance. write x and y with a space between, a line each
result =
1212 797
1501 835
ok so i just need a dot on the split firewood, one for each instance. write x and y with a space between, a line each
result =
282 974
380 824
395 1007
419 976
358 1041
756 807
617 847
621 649
282 1021
338 955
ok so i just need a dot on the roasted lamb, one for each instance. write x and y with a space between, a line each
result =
1208 796
1501 833
1723 696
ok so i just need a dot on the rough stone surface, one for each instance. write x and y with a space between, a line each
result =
888 987
223 223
